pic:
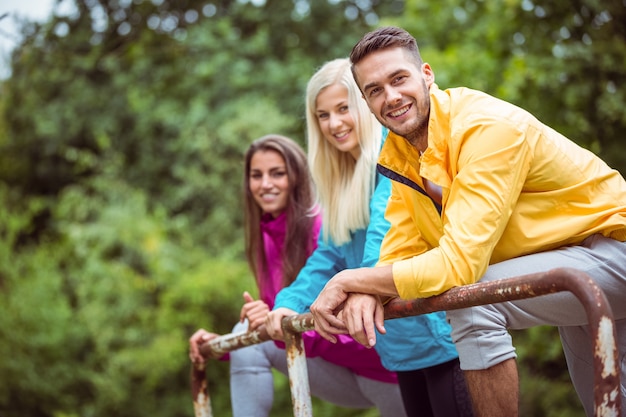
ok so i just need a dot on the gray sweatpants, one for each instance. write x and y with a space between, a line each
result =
252 383
481 336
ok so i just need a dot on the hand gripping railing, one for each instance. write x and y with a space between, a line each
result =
607 400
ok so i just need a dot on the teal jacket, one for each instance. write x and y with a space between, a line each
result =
410 343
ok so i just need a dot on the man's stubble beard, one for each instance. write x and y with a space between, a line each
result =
418 135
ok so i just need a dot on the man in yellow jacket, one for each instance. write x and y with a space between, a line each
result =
481 191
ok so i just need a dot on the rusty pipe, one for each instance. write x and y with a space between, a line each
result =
214 349
293 327
607 399
219 346
200 392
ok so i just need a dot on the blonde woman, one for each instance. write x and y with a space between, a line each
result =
344 140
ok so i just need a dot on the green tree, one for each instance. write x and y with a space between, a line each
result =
168 94
561 61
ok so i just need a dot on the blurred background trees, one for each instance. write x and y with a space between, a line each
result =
122 130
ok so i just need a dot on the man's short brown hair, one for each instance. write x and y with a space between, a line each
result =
383 38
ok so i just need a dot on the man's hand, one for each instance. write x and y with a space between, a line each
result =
273 322
253 310
199 338
327 307
362 313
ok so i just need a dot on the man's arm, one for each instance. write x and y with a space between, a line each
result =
375 281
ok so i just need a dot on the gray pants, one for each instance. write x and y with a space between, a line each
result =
481 336
252 383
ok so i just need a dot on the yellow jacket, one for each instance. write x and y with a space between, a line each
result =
510 186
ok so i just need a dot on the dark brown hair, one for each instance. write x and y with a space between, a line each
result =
299 210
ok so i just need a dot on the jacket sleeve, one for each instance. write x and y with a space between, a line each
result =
491 169
322 265
378 225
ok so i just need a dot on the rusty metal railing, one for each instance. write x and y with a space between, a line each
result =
607 400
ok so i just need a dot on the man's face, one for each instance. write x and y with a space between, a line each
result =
396 91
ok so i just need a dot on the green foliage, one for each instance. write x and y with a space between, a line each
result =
105 309
542 369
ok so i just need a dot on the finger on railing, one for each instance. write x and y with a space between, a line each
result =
298 323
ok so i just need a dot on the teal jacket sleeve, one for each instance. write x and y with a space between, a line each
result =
322 265
329 259
378 226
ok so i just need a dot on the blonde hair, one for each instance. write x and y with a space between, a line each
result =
344 185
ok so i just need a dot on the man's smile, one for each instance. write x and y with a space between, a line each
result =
399 112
